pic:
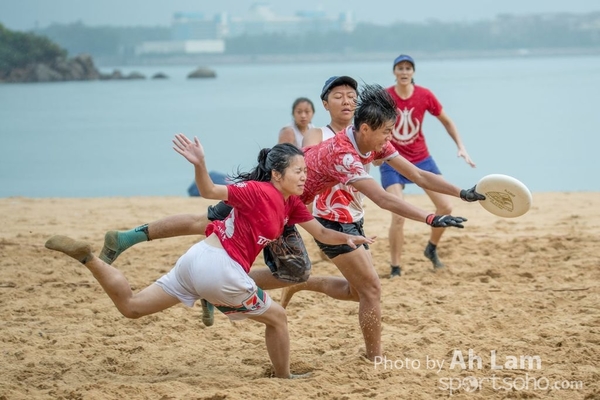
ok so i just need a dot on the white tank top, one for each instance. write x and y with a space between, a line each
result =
298 136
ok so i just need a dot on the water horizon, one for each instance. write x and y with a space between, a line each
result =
531 118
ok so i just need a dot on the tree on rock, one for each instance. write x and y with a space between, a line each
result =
19 50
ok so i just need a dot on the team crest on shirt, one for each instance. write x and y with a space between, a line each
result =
240 184
406 129
349 164
253 303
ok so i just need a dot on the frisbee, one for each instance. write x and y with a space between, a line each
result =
505 196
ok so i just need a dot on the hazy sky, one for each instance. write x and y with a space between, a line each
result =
24 14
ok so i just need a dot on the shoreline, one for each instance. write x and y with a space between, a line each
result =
343 57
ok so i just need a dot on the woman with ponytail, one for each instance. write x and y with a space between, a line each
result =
264 200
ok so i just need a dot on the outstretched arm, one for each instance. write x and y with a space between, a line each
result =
424 179
428 180
392 203
453 132
194 153
329 236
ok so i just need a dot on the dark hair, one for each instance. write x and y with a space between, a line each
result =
374 107
277 159
300 100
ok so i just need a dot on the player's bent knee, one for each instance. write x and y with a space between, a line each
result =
275 317
371 289
130 313
444 210
397 221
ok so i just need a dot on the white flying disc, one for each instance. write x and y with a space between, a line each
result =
505 196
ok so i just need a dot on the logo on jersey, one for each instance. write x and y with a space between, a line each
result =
262 241
254 302
406 129
350 165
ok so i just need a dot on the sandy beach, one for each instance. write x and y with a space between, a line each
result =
523 295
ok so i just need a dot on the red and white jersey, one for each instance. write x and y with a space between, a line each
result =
258 217
340 203
407 136
338 160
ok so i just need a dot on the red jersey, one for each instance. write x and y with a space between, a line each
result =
407 136
258 216
339 203
337 160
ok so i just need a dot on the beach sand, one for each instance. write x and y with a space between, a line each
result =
523 287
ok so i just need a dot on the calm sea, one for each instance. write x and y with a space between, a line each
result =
535 119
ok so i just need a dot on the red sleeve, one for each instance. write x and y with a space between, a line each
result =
298 211
241 195
388 152
433 105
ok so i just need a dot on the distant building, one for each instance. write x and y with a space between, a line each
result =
180 47
194 33
197 26
259 20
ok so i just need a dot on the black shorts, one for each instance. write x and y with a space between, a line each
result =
334 250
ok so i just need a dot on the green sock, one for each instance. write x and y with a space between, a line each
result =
133 236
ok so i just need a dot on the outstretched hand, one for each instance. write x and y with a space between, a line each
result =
471 195
192 151
444 221
463 154
355 241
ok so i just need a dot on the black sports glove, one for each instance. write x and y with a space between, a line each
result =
471 195
444 221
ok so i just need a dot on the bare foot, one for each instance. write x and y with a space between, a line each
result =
287 293
81 251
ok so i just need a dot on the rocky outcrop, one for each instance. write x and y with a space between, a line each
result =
80 68
118 75
202 72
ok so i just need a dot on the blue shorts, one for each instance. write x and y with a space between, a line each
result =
389 176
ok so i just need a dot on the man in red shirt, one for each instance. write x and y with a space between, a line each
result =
341 159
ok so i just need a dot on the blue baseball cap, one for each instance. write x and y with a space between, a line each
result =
336 81
404 57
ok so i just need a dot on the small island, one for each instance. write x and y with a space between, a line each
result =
26 57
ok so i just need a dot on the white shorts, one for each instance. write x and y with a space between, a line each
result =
207 272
